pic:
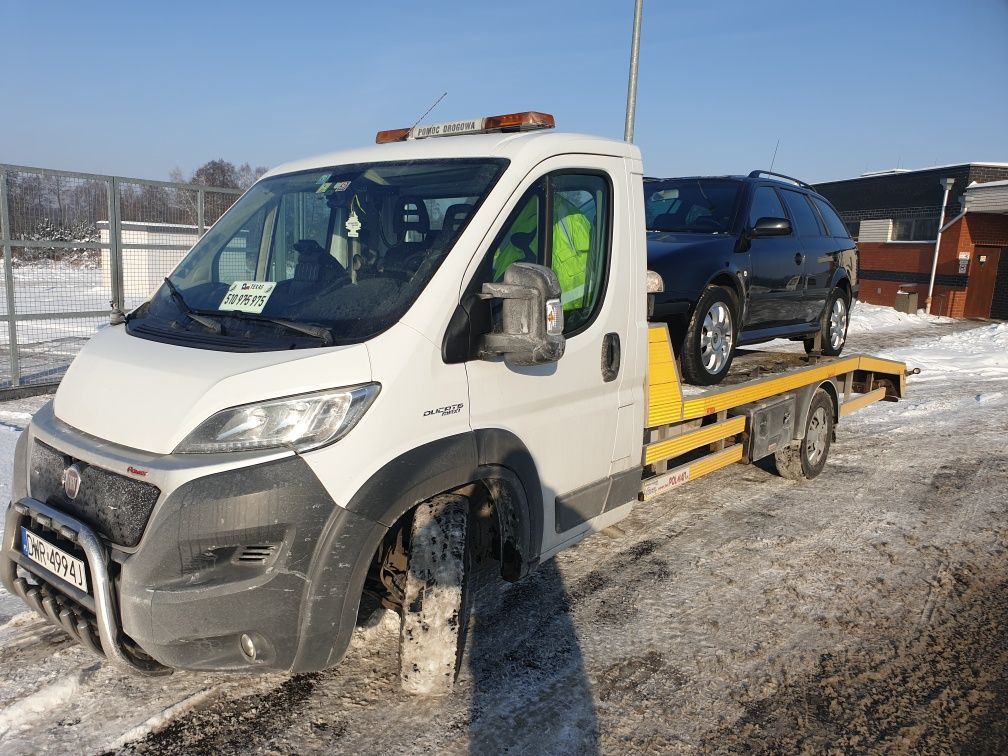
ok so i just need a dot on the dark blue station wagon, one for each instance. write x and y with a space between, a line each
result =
747 259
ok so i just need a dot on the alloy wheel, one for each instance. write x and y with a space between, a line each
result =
716 338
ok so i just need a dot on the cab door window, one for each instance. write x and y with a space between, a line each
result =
575 246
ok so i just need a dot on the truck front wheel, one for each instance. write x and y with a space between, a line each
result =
806 458
435 609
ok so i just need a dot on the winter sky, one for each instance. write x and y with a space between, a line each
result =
139 88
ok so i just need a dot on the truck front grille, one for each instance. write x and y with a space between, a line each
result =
114 505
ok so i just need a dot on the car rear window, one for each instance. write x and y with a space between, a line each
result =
833 223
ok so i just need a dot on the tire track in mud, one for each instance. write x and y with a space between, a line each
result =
233 725
937 688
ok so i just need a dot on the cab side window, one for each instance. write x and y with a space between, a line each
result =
579 249
574 243
765 204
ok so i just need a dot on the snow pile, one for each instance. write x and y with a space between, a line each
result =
866 318
979 354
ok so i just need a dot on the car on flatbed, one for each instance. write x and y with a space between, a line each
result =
379 368
747 259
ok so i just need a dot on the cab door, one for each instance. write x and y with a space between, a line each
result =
565 413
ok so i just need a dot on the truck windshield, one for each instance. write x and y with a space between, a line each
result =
691 205
328 256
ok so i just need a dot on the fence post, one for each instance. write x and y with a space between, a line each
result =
6 234
115 244
200 213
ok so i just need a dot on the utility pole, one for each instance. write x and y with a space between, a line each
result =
631 99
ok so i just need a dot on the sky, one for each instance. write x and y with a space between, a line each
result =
138 89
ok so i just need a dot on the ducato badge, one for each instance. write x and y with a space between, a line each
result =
71 481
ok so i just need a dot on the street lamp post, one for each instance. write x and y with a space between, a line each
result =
631 100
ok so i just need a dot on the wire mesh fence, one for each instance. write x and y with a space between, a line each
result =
74 243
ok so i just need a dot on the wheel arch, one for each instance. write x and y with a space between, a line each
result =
803 402
842 281
493 458
726 280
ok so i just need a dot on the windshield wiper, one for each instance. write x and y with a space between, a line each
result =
320 332
204 321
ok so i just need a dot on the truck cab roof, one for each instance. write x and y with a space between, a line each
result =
523 147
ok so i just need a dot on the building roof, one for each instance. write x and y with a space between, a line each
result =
889 172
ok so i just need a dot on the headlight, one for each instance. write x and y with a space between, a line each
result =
300 422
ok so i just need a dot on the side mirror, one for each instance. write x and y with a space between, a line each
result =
532 317
771 227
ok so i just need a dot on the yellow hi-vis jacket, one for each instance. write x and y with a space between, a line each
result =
571 246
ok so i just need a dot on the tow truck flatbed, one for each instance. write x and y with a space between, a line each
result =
735 422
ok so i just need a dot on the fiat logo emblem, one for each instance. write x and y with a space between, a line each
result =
71 481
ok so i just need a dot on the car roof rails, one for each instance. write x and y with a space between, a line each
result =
757 174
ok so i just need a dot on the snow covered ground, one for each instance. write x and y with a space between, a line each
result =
867 610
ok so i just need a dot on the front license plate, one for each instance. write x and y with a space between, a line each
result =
54 559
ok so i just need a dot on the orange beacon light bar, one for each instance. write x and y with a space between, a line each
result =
527 121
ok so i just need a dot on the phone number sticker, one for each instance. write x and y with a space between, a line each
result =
248 296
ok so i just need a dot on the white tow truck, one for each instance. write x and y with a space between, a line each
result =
377 367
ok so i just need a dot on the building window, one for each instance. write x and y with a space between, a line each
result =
914 229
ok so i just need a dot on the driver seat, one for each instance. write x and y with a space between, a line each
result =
410 219
314 263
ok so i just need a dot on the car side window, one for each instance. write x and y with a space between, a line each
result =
765 204
833 223
805 220
575 244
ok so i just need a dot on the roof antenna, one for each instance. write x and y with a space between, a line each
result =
774 154
428 110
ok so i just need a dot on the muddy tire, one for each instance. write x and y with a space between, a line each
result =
709 347
805 459
435 608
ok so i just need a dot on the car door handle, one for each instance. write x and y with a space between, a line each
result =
799 258
610 357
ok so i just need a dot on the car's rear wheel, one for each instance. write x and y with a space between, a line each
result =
709 346
836 320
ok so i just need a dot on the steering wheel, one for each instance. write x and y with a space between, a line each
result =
707 220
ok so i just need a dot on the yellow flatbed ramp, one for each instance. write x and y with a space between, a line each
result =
695 432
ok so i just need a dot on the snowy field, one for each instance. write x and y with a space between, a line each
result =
864 611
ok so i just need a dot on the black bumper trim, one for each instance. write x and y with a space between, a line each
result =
54 602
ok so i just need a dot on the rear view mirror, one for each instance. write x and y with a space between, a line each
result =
772 227
532 317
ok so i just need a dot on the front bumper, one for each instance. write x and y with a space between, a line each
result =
259 550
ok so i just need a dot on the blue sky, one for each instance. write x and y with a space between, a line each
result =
140 88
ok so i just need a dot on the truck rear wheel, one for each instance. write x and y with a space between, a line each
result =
805 459
435 609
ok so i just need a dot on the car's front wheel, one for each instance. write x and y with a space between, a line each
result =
709 346
835 322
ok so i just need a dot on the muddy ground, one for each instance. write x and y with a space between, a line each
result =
865 611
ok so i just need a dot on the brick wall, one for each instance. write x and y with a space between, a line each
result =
986 229
888 267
